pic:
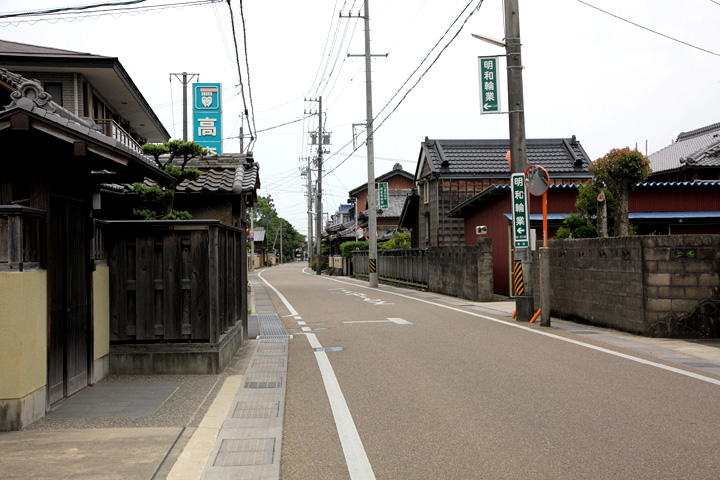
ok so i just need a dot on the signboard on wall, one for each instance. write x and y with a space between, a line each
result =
207 116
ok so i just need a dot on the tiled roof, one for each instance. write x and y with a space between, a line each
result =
698 148
30 97
397 170
221 174
225 178
561 157
27 50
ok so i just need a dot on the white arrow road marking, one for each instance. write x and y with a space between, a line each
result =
399 321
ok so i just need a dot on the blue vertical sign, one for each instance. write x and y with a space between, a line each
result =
207 116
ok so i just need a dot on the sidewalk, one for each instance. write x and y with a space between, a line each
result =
168 426
230 425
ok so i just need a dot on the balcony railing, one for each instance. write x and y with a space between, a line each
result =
112 129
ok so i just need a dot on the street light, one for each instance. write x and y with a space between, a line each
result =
491 40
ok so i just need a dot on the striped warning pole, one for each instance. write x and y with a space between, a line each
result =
518 279
372 265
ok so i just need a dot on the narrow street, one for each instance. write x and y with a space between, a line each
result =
436 390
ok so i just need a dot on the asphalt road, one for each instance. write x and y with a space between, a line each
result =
459 395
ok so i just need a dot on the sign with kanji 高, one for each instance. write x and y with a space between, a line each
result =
207 116
521 225
489 93
383 196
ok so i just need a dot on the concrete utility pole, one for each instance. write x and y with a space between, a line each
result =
185 82
318 205
308 172
518 150
371 194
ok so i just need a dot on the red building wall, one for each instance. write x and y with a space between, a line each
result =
492 215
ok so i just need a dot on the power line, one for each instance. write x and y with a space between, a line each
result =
117 12
247 68
414 85
69 9
650 30
237 60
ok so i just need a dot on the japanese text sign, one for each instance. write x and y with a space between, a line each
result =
520 218
489 93
207 116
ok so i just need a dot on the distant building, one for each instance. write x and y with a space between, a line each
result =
694 156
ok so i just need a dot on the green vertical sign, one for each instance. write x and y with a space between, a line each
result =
489 94
521 224
383 196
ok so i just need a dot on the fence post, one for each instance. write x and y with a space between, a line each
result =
545 286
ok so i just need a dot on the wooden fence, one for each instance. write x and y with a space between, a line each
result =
22 231
175 280
409 266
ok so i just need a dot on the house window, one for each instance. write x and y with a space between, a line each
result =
55 91
427 229
426 192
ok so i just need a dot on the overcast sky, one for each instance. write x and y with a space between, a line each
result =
587 73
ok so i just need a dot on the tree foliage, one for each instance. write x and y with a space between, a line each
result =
265 215
157 200
620 170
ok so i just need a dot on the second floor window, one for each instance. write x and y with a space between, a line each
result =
55 91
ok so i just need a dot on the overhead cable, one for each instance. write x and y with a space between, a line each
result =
650 30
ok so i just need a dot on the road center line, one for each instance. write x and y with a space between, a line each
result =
668 368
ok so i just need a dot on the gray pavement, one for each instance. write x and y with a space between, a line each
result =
227 425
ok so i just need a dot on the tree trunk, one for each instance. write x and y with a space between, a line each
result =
622 222
602 218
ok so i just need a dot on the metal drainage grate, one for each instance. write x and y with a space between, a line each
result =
257 410
238 453
271 327
263 382
268 362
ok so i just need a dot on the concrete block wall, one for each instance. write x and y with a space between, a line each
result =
665 286
462 271
682 285
597 280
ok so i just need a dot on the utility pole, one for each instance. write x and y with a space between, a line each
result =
318 205
371 194
371 191
185 83
308 173
252 241
518 151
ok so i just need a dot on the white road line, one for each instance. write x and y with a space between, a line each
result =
355 456
668 368
284 300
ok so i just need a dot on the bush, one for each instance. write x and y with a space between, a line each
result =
347 248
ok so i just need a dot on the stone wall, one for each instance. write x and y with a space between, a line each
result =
462 271
665 286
